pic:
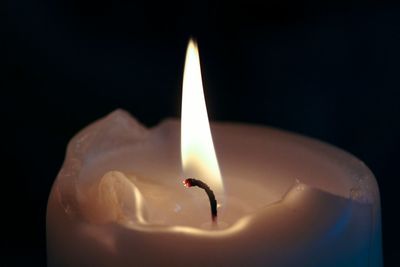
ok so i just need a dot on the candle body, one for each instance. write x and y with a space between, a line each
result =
290 200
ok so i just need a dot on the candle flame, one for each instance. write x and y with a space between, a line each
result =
197 149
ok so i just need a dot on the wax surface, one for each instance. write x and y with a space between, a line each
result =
290 200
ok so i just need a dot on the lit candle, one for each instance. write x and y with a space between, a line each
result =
284 199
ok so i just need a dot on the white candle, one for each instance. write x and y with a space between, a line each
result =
288 200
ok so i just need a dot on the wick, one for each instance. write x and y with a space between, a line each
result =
213 202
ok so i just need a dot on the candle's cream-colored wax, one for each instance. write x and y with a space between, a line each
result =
290 200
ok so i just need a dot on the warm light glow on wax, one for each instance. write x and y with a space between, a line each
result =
197 149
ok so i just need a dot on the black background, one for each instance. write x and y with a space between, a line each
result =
326 69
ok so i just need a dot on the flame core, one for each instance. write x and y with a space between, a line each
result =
197 149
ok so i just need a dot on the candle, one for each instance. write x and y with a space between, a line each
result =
283 199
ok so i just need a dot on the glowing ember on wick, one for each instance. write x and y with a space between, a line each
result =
213 202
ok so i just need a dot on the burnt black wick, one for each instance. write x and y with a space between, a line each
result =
213 202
